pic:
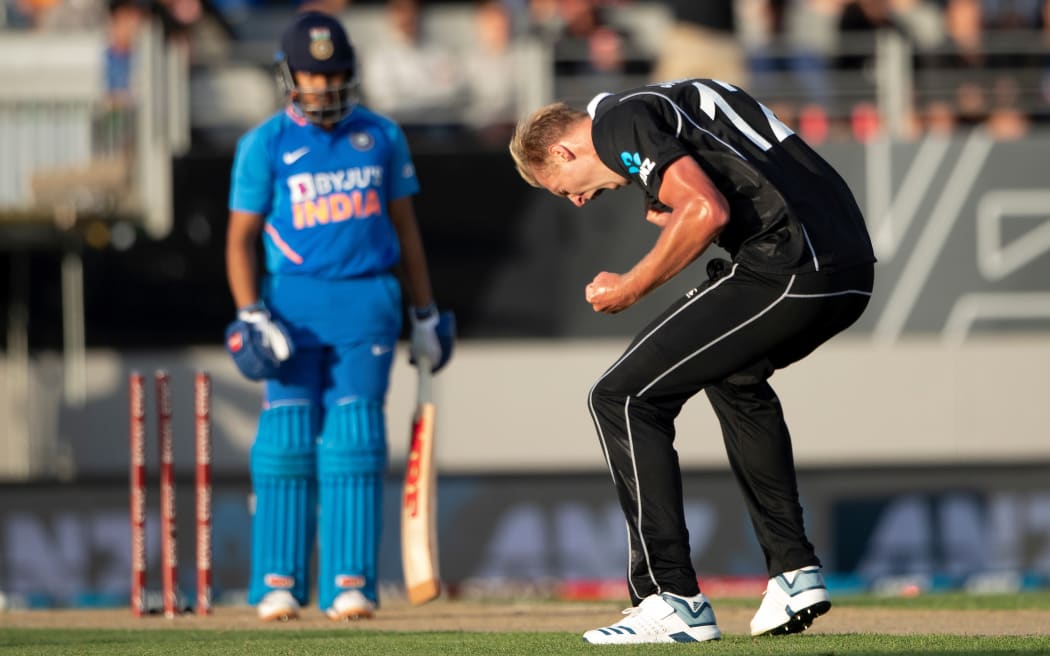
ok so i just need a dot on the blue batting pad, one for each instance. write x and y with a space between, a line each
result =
283 468
351 461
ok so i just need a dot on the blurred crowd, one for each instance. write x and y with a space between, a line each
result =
972 62
969 62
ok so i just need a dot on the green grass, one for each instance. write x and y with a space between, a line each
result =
954 601
933 601
47 642
357 642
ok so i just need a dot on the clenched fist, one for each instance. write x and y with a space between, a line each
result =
609 293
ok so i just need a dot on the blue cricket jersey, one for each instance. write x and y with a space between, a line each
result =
324 193
328 238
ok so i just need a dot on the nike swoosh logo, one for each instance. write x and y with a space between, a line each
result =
293 156
379 349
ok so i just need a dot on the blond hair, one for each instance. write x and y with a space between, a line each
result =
536 133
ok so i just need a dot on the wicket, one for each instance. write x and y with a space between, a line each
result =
202 475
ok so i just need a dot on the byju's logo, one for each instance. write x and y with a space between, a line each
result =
634 164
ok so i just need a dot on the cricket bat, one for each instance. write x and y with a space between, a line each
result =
419 557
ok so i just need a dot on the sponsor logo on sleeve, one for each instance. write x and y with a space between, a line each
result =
634 163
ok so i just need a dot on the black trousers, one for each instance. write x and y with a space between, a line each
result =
725 337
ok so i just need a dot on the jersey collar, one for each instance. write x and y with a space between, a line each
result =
592 106
301 121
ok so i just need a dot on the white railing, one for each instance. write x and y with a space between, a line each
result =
68 153
904 80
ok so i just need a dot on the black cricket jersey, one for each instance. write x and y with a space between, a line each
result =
790 211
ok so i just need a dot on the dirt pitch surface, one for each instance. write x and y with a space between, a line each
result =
575 617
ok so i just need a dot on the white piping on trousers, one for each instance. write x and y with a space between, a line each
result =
720 337
601 433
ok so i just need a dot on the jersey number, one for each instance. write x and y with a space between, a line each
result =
711 100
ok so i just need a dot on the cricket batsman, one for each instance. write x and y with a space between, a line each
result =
327 185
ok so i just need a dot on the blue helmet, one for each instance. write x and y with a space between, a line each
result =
316 42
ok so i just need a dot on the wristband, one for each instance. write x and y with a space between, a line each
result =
425 312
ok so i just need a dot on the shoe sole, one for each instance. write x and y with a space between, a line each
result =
801 620
280 616
693 634
350 616
670 639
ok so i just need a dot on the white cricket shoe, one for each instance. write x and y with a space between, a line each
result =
662 617
791 602
278 605
351 605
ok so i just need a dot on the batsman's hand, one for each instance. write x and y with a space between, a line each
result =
258 342
433 336
610 293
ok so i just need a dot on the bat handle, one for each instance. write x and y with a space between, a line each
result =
425 391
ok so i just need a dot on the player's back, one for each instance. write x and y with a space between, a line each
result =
769 175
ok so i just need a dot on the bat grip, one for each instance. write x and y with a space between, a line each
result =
425 390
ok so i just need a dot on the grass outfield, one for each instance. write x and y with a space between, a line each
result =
952 627
936 601
40 642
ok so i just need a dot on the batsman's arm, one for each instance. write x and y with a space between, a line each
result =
242 268
413 256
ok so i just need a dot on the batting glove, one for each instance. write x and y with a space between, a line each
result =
433 335
273 335
257 342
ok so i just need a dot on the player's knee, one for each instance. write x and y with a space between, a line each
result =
353 440
605 392
285 441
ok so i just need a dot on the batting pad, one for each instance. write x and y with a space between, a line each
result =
283 468
351 460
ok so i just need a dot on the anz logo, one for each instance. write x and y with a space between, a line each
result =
634 164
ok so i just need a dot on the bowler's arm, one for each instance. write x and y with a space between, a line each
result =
700 212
